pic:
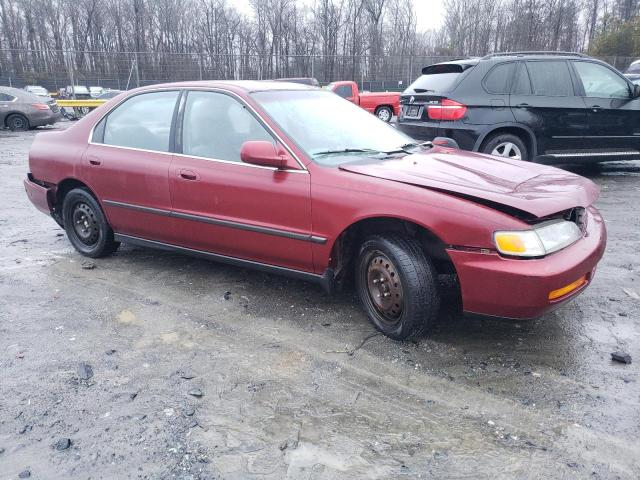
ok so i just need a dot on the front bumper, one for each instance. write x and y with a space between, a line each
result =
518 288
40 196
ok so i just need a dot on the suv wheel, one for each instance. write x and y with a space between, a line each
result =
17 122
505 145
86 225
397 285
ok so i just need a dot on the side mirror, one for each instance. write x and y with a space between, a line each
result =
636 90
263 153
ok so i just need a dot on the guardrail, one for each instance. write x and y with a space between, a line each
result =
80 103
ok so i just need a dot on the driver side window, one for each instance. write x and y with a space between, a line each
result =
600 82
216 125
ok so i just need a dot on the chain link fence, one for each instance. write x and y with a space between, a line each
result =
56 69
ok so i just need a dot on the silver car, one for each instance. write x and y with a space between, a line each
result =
21 110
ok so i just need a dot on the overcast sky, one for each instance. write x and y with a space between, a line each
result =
429 13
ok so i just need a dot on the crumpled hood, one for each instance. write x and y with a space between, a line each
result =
538 190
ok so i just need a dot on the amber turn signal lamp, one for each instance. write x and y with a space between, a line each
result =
561 292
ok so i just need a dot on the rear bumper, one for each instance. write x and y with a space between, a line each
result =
44 117
519 289
464 134
39 195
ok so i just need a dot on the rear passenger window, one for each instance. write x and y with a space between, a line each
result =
550 78
498 80
216 125
4 97
344 91
143 121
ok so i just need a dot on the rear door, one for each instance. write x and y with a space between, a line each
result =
544 99
229 207
613 113
127 163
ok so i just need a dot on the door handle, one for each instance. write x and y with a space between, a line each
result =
522 105
188 174
94 160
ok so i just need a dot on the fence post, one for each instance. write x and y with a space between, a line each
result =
312 62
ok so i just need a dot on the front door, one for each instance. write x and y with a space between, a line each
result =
228 207
614 115
127 165
543 98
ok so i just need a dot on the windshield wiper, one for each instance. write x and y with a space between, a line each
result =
346 150
403 148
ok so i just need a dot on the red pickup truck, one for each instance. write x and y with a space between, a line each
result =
382 104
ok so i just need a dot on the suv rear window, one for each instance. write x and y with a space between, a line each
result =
438 78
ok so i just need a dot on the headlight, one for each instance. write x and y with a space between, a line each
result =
544 239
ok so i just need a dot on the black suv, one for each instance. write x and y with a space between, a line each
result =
542 106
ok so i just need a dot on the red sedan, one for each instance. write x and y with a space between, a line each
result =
294 180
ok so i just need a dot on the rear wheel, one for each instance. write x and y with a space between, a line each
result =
505 145
384 113
17 122
86 224
397 285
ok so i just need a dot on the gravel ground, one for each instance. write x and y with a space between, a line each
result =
157 365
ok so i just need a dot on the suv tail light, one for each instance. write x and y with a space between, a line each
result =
40 106
447 110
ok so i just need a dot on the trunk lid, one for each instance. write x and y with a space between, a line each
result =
537 190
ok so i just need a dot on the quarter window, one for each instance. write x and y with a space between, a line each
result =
498 80
216 125
143 121
600 82
550 78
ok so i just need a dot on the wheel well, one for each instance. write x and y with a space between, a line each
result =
381 106
346 246
518 132
62 189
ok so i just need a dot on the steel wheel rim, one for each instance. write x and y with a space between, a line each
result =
85 224
508 150
383 114
17 122
384 287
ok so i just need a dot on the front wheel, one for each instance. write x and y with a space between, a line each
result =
86 224
397 285
384 113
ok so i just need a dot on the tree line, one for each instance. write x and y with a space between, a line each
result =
278 38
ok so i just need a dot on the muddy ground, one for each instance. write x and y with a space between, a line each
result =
296 384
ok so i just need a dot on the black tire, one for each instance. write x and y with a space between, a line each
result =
417 291
499 140
17 122
86 224
384 113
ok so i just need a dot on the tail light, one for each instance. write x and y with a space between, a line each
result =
40 106
447 110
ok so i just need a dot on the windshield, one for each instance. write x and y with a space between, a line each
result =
328 128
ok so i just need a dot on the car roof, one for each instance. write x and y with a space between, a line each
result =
248 86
